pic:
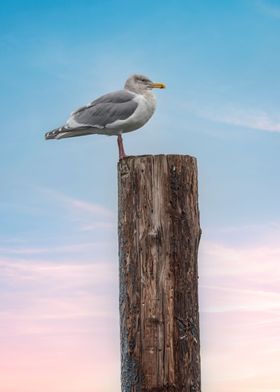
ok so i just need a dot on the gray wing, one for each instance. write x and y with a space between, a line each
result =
105 110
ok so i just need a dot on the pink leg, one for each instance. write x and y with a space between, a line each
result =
121 148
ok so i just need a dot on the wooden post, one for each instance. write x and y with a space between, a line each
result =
159 235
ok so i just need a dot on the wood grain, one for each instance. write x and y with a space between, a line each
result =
159 235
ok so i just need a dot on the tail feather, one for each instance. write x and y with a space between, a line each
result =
54 134
63 132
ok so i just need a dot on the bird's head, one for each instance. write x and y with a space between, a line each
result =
140 84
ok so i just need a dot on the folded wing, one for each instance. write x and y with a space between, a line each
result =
104 111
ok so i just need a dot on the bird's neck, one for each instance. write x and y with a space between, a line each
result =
149 95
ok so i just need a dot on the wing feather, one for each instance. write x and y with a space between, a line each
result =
105 110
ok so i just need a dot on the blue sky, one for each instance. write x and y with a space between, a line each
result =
58 203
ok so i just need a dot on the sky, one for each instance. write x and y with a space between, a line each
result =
220 60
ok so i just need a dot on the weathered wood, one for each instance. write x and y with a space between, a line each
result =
159 235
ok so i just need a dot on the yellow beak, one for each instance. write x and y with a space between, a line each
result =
158 85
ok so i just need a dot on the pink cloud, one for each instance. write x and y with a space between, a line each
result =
67 248
59 326
240 315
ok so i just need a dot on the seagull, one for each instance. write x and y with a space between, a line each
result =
114 113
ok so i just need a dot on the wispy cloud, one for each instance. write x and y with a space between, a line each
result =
57 309
72 273
97 226
53 319
59 293
254 263
240 299
240 310
88 216
240 117
78 204
65 249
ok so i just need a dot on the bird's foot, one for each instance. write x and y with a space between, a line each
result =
122 156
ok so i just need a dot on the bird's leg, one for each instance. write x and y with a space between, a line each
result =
121 148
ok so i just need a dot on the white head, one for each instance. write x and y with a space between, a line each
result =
140 84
